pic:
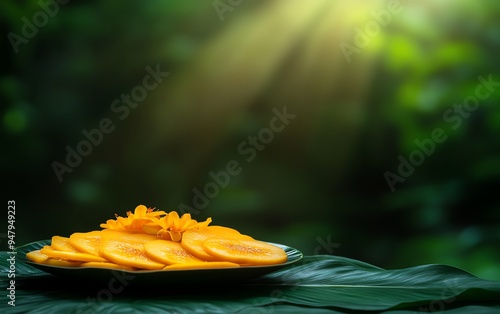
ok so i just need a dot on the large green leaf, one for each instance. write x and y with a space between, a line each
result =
320 283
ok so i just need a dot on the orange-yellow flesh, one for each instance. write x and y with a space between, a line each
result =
70 256
107 265
200 248
150 228
36 256
242 251
217 230
62 244
130 254
169 252
126 237
201 265
192 240
88 242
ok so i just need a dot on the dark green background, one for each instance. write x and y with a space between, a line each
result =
319 184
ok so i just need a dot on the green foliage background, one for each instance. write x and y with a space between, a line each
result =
319 184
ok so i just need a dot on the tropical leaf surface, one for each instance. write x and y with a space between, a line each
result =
321 284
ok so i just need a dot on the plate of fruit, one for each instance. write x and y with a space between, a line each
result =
151 245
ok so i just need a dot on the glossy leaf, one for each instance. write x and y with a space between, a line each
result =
324 283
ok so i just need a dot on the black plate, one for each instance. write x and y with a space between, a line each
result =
160 277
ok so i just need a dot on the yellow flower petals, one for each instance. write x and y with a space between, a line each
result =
168 226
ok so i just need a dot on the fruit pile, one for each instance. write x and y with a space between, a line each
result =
154 240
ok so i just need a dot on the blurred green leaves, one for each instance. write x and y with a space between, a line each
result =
322 176
15 121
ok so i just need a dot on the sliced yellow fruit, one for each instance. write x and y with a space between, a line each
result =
217 230
107 265
243 251
37 257
201 265
169 252
126 237
88 242
128 253
62 244
70 256
192 240
60 262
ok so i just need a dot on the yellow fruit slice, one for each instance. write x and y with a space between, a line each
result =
60 262
37 257
128 253
169 252
70 256
62 244
192 240
126 237
242 251
107 265
217 230
88 242
201 265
